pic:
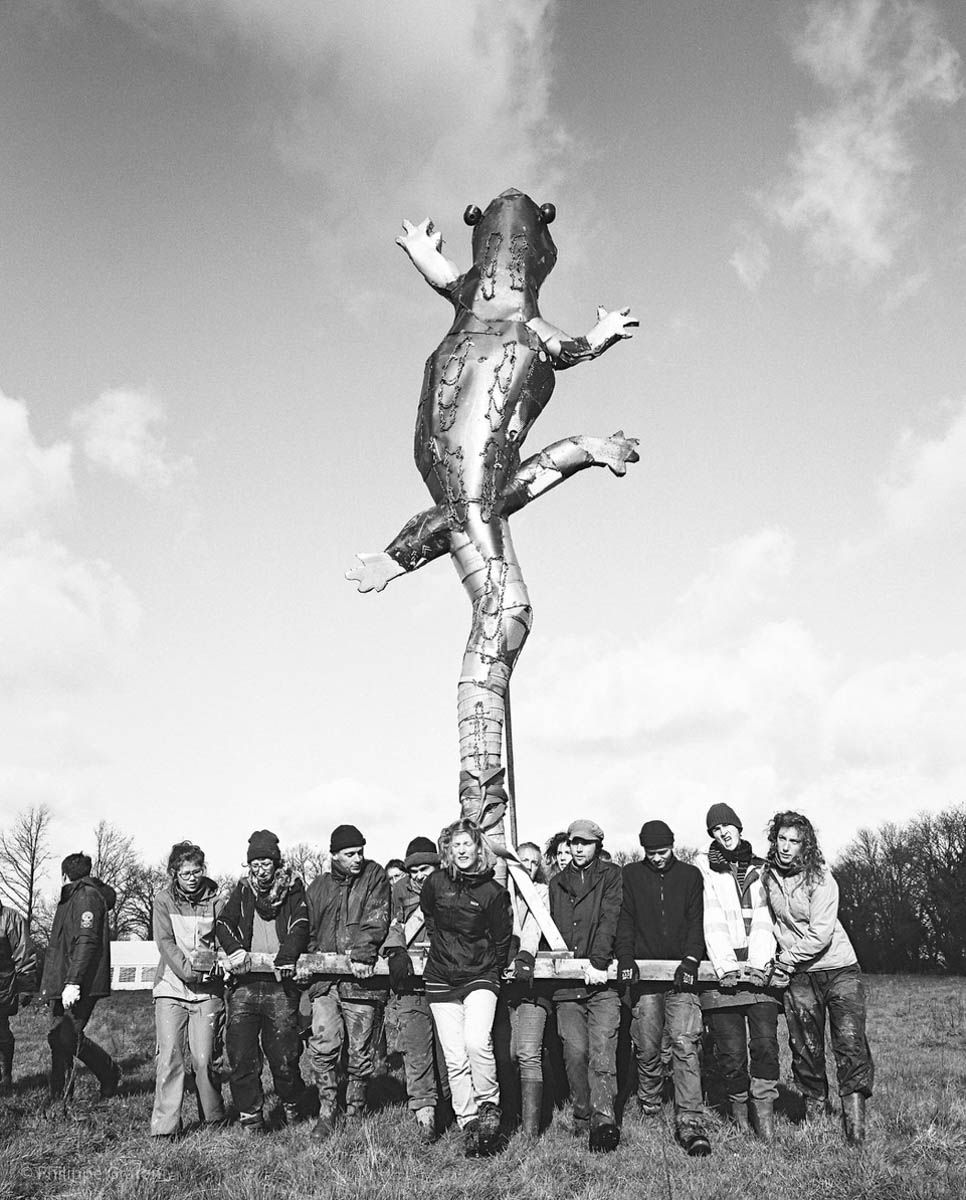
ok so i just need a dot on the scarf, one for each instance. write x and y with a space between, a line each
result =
268 903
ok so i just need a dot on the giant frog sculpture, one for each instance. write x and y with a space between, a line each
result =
484 386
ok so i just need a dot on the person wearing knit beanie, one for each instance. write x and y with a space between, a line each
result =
345 837
655 835
421 852
263 844
722 814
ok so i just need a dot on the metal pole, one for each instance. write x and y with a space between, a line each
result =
511 786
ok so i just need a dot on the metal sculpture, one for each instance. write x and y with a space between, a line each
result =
484 386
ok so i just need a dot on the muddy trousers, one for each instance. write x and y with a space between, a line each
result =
426 1078
746 1047
336 1021
588 1028
841 995
66 1039
262 1008
181 1025
659 1013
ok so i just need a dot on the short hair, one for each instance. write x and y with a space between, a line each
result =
76 866
811 857
541 876
183 852
397 863
483 848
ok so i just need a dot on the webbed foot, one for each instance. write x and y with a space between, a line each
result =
376 571
614 452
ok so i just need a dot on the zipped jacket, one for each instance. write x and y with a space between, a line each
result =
404 902
806 924
470 925
737 928
233 924
18 960
79 951
182 924
349 914
585 904
662 913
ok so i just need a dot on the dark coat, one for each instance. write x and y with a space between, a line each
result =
585 904
80 941
18 962
662 914
233 928
470 924
349 914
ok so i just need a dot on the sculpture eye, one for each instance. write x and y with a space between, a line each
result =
547 213
472 216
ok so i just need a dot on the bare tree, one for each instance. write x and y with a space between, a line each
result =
117 863
308 861
24 850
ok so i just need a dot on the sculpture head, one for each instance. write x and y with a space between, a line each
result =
512 235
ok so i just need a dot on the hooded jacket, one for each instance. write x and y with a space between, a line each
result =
806 924
470 925
662 914
233 924
349 914
585 903
181 924
80 941
18 961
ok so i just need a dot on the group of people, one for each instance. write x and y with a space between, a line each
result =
767 924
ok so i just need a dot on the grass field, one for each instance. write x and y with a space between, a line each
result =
916 1146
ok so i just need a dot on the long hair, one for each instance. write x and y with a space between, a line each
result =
184 852
550 854
541 875
810 857
485 856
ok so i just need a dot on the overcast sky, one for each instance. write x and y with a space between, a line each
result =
210 360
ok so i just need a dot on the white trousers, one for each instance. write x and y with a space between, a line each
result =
465 1031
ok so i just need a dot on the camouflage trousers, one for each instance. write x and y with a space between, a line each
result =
840 994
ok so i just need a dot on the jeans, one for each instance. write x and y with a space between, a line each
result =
66 1039
422 1053
658 1012
195 1022
527 1023
588 1029
263 1008
336 1020
734 1045
465 1029
841 994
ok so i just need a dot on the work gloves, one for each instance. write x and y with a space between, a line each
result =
627 973
401 972
686 975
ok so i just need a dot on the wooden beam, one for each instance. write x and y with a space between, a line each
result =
524 885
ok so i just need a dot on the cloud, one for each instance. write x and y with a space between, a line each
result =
751 259
926 483
35 481
119 432
848 185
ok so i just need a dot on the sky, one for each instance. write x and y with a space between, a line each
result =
210 360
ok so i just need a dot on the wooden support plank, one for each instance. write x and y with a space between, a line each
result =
414 926
524 885
550 965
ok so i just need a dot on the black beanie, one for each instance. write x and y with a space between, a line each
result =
655 835
421 852
344 836
722 814
264 844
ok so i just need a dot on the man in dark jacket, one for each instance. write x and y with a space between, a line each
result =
263 928
18 967
77 973
662 917
585 902
348 914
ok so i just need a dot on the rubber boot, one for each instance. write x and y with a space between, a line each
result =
324 1127
6 1067
531 1104
101 1064
815 1108
426 1123
355 1099
763 1119
853 1117
739 1114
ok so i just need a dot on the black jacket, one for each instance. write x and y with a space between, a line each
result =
80 941
18 961
233 929
585 904
662 915
470 924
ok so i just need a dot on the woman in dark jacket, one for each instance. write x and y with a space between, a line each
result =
470 924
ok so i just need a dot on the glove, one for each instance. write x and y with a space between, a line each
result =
729 981
70 995
238 963
286 971
594 975
401 972
777 974
627 972
755 978
523 967
686 976
360 970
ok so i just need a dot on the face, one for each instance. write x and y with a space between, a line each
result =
529 856
190 875
465 853
263 872
659 859
788 846
583 851
563 856
395 874
351 860
727 836
419 875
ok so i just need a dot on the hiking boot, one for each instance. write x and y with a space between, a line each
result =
426 1123
763 1119
694 1141
853 1118
471 1138
604 1137
324 1127
489 1121
252 1124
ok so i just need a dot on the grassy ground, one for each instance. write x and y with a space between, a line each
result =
916 1146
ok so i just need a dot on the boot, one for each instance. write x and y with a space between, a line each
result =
252 1124
355 1099
426 1123
6 1068
471 1138
853 1117
324 1127
815 1108
489 1123
100 1063
694 1141
531 1102
739 1114
604 1137
763 1119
